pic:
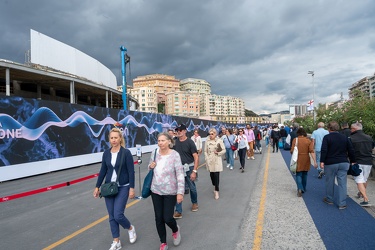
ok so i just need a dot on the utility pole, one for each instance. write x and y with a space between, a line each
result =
312 75
123 72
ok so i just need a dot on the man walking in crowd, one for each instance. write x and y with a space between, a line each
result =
275 136
189 158
363 145
317 138
293 134
249 133
283 134
258 138
345 130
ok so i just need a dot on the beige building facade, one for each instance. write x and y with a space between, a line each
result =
181 103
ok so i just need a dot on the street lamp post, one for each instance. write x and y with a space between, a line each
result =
312 75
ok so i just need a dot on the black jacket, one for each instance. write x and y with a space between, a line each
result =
336 148
363 145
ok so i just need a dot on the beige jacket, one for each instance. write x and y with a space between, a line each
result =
214 162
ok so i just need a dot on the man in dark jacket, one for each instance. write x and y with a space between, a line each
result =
258 138
345 130
363 145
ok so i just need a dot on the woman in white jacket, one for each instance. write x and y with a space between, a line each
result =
213 150
243 146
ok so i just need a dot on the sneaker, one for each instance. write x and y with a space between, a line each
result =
163 246
365 204
231 167
177 215
252 157
116 245
176 237
248 158
299 193
132 235
243 170
327 201
194 207
342 207
228 165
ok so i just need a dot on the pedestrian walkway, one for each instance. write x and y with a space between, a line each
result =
285 221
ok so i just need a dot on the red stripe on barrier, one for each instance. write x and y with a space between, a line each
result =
45 189
49 188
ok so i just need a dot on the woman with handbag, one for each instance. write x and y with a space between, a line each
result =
229 140
167 188
305 148
117 166
213 150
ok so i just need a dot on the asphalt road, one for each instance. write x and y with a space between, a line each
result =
70 218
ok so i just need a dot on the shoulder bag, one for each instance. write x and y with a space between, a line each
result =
111 188
293 160
146 189
233 146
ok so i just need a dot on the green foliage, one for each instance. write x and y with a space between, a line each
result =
360 108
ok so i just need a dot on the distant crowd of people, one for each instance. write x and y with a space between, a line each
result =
176 159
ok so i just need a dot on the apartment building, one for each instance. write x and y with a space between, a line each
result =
151 90
219 105
195 85
182 103
366 85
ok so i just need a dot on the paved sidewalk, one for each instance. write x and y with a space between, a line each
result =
288 222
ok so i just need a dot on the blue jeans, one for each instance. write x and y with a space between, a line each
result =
229 156
258 146
336 171
317 156
267 139
193 190
301 180
116 209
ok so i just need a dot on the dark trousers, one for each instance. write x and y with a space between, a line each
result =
275 143
215 179
242 156
164 209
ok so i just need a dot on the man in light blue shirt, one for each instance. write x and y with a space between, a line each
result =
317 138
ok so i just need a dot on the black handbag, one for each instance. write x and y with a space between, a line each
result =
354 170
146 188
111 188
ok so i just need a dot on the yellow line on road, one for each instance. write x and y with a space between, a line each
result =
57 243
259 225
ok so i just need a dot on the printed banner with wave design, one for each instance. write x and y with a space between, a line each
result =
36 130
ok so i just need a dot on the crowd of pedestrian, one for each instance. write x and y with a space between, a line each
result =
175 167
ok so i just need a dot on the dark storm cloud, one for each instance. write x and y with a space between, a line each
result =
258 51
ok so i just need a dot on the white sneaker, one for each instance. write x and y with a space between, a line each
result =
177 237
132 235
248 158
116 245
231 167
228 165
252 157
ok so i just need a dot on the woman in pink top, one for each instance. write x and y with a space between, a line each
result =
167 188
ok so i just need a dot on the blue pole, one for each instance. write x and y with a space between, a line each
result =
123 72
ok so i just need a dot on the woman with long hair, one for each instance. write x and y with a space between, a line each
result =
126 180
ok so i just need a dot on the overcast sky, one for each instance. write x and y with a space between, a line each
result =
260 51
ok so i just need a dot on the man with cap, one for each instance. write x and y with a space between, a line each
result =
189 158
